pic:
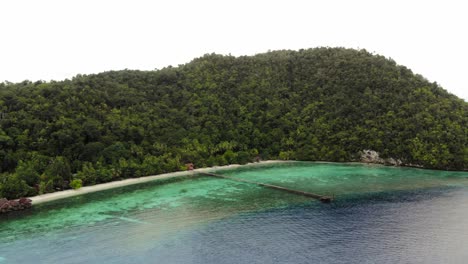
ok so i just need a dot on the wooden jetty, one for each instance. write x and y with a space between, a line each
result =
322 198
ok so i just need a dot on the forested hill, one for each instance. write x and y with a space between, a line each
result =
317 104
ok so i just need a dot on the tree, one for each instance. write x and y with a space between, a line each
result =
314 104
58 173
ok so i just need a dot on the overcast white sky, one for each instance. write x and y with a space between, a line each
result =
57 39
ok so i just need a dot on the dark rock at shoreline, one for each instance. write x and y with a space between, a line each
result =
4 205
372 156
393 162
14 205
25 202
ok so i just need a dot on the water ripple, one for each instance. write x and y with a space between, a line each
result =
381 215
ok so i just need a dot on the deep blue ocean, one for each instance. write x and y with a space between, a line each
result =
376 217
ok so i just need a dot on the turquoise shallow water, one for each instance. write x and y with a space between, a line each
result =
380 215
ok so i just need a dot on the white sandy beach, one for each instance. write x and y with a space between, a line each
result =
116 184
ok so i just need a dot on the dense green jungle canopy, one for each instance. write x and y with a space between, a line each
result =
317 104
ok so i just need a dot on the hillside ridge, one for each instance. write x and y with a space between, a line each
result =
326 104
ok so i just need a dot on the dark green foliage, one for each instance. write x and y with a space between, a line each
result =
11 187
317 104
57 175
27 172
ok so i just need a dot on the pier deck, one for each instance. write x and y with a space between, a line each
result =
322 198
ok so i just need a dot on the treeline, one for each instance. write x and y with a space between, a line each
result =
316 104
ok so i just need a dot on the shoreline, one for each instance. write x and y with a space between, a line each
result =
49 197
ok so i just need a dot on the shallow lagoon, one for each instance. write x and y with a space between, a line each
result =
380 215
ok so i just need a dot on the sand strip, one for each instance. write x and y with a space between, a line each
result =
116 184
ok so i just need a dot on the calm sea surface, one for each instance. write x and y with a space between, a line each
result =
380 215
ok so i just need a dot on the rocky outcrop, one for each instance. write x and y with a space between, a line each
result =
14 205
372 156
